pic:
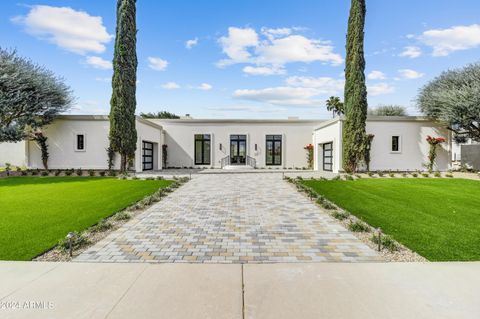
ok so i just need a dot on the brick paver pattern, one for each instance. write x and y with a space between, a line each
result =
232 218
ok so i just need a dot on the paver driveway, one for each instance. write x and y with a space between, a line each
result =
232 218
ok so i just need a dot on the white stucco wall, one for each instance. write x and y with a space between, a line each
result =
414 148
61 143
149 132
179 136
329 132
13 153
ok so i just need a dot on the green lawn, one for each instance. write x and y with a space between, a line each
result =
438 218
36 212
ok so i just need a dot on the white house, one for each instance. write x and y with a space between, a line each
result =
80 141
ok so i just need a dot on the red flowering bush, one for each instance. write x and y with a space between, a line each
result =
309 149
432 154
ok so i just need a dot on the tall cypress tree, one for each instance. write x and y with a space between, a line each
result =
355 105
123 135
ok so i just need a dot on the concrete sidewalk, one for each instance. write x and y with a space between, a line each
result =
323 290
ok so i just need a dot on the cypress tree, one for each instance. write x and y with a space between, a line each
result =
123 135
355 102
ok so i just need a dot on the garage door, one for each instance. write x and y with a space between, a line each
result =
147 156
328 157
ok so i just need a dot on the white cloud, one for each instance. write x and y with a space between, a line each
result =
98 63
457 38
263 70
105 79
278 48
298 91
191 43
322 85
411 52
410 74
380 89
237 42
72 30
205 87
157 64
284 95
376 75
170 86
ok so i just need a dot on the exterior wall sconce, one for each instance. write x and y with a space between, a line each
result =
220 146
256 147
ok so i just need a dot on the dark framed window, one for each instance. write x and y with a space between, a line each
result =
396 143
273 150
147 156
328 157
202 149
80 142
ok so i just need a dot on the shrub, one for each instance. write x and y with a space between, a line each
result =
340 215
58 172
425 175
380 173
91 172
102 226
358 227
327 205
18 169
386 242
45 173
159 178
24 173
122 216
348 177
68 172
79 240
112 173
370 174
79 172
358 176
102 173
35 172
404 174
437 174
391 174
150 178
336 178
449 175
414 174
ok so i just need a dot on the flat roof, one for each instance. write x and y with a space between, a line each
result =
245 121
91 117
379 119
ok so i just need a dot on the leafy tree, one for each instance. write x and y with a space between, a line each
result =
123 135
453 98
159 115
334 105
356 105
30 97
388 110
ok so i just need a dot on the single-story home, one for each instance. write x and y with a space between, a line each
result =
81 141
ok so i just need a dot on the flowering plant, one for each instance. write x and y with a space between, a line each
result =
309 149
432 154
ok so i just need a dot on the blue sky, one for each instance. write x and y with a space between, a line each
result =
244 58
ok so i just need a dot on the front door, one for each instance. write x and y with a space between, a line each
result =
328 157
238 149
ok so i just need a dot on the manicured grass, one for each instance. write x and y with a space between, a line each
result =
36 212
437 218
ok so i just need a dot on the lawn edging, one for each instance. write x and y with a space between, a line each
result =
390 250
82 240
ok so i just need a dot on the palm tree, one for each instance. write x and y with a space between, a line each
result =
334 105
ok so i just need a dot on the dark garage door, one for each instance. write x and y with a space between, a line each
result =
147 156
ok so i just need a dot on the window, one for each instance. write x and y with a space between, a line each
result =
80 142
328 157
273 150
396 144
202 149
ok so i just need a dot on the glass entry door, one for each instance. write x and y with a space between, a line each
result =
238 149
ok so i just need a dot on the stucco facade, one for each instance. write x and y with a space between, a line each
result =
295 135
411 147
398 144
